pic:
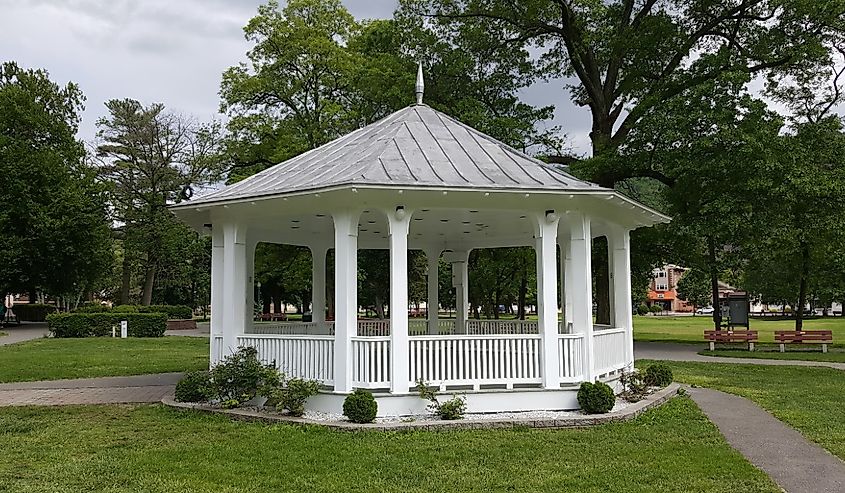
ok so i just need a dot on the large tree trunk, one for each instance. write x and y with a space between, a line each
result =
802 288
714 282
149 281
523 292
126 279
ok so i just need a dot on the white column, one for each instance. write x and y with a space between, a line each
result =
460 281
567 280
346 295
545 234
399 222
235 287
218 306
433 299
620 271
318 287
582 286
249 313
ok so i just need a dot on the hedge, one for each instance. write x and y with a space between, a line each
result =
100 324
173 312
33 312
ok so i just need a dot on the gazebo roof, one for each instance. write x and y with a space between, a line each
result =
417 146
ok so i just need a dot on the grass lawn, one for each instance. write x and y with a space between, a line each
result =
156 449
691 329
837 356
52 359
811 400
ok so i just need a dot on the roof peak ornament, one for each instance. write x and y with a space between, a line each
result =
419 88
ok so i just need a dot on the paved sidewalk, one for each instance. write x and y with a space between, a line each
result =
794 463
106 390
23 332
689 352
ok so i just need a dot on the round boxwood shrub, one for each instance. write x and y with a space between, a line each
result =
360 406
596 398
658 375
194 387
642 309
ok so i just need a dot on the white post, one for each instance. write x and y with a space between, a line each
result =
620 242
545 234
318 287
235 287
460 281
346 295
218 307
399 222
581 288
433 299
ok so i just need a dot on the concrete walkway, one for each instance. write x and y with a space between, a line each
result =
689 352
794 463
24 332
106 390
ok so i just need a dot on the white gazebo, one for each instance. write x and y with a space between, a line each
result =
418 179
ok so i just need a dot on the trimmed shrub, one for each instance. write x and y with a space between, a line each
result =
360 406
100 324
174 312
33 312
642 309
658 375
292 397
241 376
596 398
125 309
655 309
194 387
92 309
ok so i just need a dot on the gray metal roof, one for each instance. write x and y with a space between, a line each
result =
415 146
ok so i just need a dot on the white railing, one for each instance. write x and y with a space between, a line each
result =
216 349
304 356
288 328
475 360
371 362
490 327
374 328
608 350
570 351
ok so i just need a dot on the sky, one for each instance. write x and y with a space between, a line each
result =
174 52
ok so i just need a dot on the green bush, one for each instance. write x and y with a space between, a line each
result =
642 309
658 375
241 376
360 406
33 312
656 309
92 309
100 324
453 409
194 387
125 309
596 398
294 394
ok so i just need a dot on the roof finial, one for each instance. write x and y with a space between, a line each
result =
420 86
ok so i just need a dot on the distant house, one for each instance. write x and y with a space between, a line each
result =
663 289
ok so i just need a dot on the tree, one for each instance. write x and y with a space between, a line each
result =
53 224
694 288
149 159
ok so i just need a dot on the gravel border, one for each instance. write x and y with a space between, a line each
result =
629 412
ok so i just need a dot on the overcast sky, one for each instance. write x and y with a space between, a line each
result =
171 51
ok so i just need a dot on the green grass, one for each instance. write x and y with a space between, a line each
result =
691 329
155 449
836 356
53 359
811 400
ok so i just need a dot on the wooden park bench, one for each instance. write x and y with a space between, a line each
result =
728 336
823 337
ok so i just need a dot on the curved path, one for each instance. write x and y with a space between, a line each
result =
24 332
689 352
794 463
